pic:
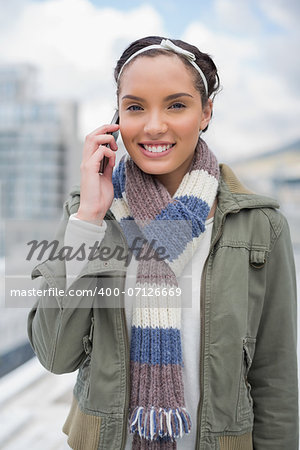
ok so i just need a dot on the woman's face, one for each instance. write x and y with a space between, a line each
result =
161 115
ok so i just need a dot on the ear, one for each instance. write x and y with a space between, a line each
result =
206 114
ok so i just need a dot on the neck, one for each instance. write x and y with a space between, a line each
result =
172 180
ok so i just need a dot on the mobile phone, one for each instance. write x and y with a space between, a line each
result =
105 160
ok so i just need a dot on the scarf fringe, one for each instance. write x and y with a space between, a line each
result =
154 423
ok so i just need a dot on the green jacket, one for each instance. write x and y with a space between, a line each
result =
248 365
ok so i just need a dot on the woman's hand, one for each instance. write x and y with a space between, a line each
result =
96 191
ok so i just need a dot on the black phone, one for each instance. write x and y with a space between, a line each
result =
115 134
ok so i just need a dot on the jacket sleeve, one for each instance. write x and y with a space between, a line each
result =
58 328
273 374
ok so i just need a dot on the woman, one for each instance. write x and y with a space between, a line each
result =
211 365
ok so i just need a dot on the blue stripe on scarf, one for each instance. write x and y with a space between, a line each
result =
156 346
181 210
118 179
199 207
176 234
132 232
182 230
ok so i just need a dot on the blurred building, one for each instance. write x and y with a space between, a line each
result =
39 153
39 162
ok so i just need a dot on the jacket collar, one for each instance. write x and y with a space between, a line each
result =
233 196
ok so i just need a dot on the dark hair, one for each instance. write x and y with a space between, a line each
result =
203 60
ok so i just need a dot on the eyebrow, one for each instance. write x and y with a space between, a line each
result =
169 97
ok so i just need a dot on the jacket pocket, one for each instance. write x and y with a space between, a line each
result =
245 402
82 386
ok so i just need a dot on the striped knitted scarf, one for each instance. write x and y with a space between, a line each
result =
158 415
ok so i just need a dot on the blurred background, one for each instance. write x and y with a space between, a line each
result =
56 85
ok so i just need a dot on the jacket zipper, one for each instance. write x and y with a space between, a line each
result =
127 362
127 354
202 337
202 321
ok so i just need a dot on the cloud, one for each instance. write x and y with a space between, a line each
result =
75 44
285 13
75 32
257 109
281 50
240 18
10 11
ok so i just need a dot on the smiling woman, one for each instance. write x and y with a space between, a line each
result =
207 366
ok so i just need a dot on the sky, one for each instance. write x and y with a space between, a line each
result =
254 43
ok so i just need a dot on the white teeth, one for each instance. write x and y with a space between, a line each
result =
158 149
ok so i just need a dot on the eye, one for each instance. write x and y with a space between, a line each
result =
134 108
177 105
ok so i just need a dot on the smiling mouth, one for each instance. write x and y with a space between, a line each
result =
157 148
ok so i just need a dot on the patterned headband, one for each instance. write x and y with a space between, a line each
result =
166 44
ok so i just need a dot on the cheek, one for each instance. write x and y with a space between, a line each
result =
128 129
189 128
125 133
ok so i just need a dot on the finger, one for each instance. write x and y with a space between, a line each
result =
107 128
94 141
92 164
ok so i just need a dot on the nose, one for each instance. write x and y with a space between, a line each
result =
155 124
